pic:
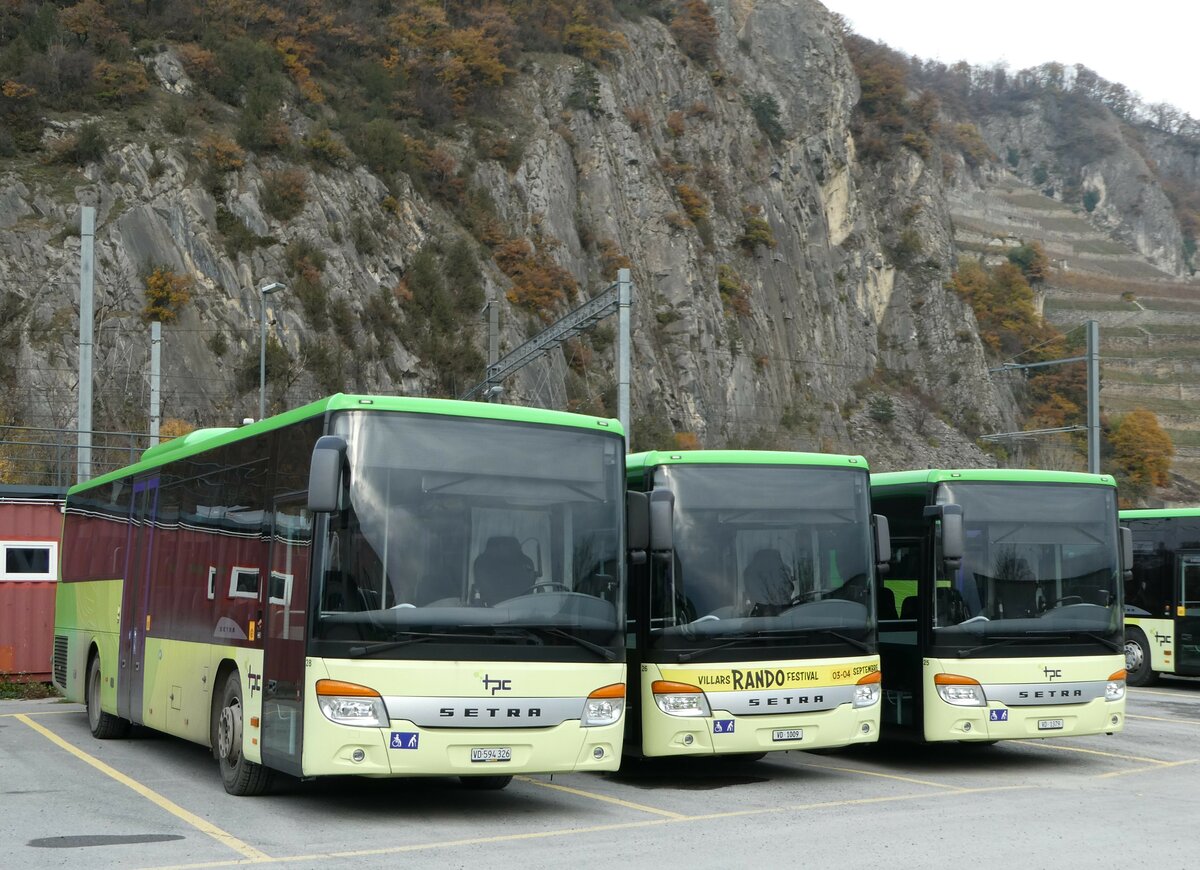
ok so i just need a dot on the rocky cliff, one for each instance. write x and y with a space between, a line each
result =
776 305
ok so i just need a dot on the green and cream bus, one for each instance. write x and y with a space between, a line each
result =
1162 600
1001 612
365 585
753 619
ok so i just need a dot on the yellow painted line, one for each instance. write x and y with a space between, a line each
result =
1164 719
1062 748
1183 693
880 775
623 826
1160 766
206 827
39 713
601 797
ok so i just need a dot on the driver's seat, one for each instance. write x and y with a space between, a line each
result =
767 584
502 571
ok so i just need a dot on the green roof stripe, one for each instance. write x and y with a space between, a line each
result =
1160 513
206 439
990 475
637 463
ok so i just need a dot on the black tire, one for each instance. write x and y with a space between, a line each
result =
105 726
1137 659
485 783
241 777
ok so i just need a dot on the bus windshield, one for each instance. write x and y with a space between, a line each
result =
778 551
1039 559
468 531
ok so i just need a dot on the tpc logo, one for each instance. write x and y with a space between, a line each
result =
1052 673
497 685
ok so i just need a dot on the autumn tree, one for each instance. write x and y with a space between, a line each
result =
1031 259
166 293
1142 453
695 31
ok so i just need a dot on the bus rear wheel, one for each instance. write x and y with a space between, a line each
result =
240 776
1137 659
105 726
485 783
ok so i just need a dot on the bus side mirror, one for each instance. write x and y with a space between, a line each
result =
1127 552
637 526
952 532
325 474
883 542
662 520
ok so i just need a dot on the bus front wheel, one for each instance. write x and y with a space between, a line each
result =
485 783
1137 659
105 726
241 776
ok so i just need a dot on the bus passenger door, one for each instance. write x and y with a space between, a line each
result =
285 629
899 618
1187 615
135 598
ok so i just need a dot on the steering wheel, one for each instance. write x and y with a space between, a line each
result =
547 586
804 596
1077 599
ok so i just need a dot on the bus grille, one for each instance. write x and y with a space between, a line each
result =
60 659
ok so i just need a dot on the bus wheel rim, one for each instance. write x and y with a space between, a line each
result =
1133 655
229 732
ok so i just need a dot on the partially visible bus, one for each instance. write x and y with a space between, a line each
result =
753 621
1002 611
365 585
1162 600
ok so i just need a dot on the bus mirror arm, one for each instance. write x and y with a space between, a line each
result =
883 542
951 516
637 526
662 520
1127 552
325 474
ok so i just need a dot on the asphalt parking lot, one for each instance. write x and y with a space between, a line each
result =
68 800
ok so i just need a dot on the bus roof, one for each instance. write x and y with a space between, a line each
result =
205 439
1160 513
637 463
930 476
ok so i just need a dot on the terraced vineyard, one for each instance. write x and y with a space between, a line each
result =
1149 320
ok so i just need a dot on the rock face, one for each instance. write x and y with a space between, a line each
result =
798 344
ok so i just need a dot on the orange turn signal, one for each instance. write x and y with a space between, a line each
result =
616 690
1117 675
873 677
954 680
666 687
337 687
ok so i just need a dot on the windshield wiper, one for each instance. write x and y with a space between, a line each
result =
964 653
1034 638
602 651
778 634
738 640
417 637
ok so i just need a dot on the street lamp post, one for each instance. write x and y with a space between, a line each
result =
263 292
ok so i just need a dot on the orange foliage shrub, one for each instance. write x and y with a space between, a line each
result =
693 202
695 31
166 293
539 284
686 441
1142 452
224 154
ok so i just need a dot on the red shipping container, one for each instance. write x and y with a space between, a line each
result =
30 526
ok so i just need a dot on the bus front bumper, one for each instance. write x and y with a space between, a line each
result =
726 734
998 722
405 749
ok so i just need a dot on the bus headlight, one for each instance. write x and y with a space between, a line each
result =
960 691
351 704
680 699
866 692
604 706
1114 690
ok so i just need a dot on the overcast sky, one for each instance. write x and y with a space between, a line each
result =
1152 47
